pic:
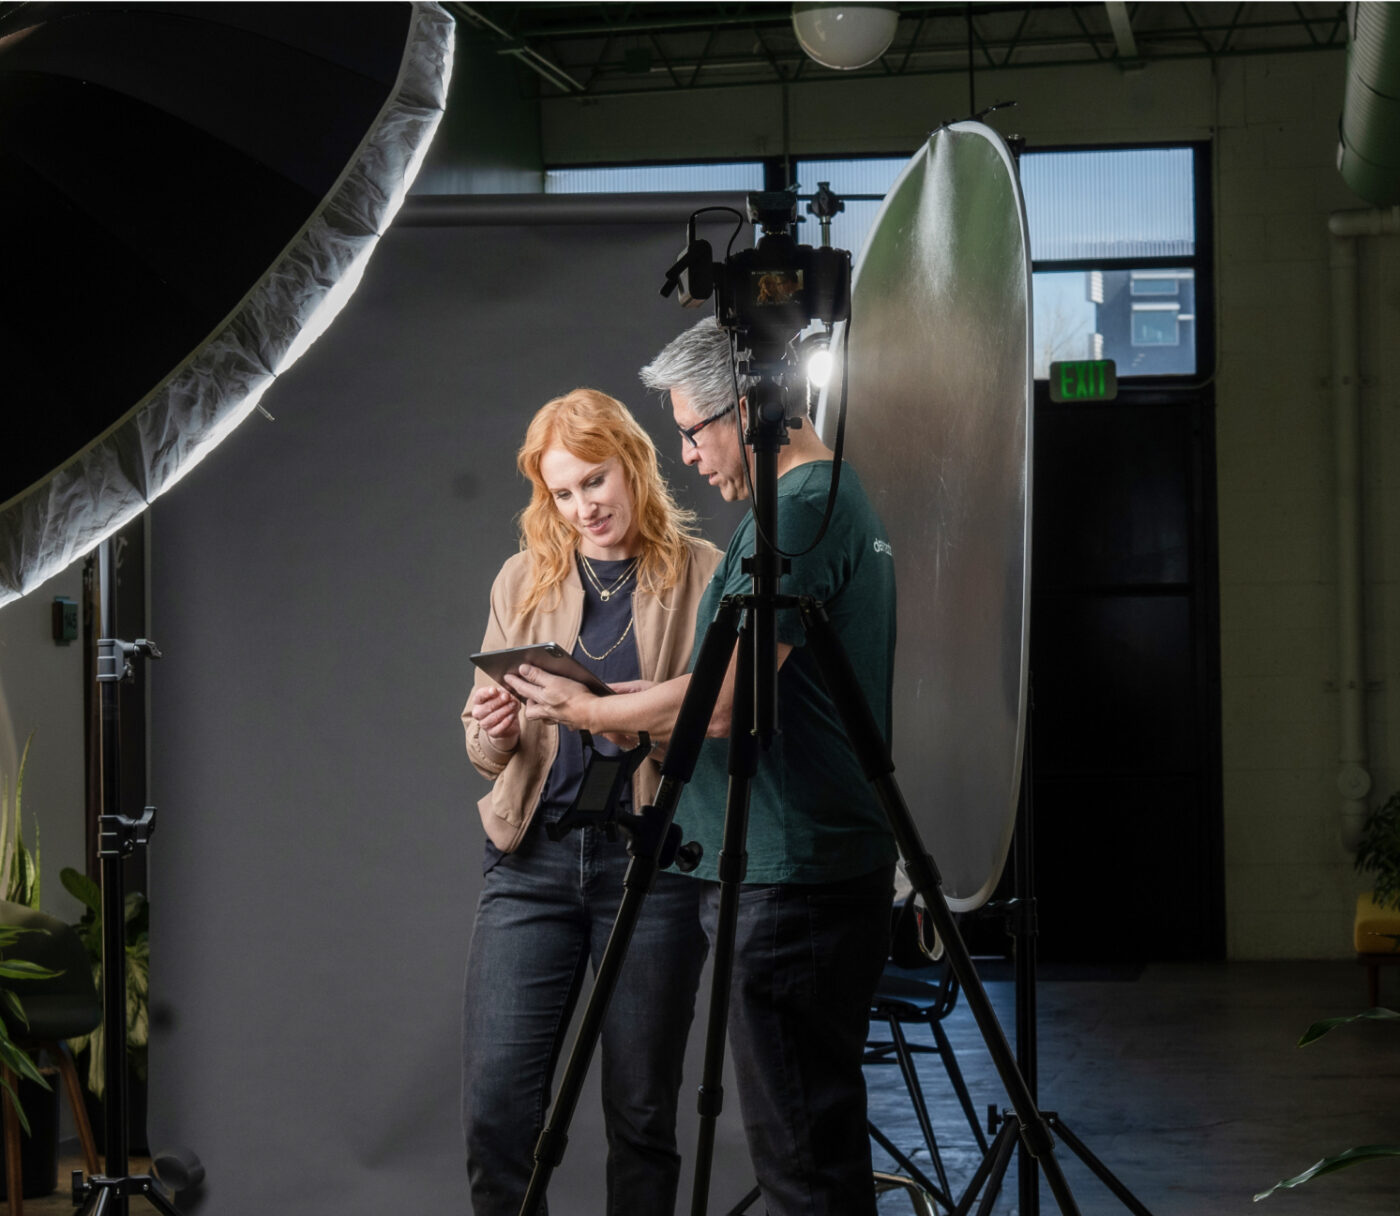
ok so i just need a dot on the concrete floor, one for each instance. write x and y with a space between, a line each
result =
1187 1083
1183 1079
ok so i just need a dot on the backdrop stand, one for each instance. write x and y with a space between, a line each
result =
119 836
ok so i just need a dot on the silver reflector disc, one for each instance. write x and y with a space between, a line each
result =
939 431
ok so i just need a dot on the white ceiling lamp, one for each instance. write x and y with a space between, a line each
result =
845 36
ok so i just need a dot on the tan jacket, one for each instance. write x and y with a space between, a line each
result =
664 632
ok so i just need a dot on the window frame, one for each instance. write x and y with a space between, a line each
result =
778 172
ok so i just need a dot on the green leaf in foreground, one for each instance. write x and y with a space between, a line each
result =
1330 1165
1318 1029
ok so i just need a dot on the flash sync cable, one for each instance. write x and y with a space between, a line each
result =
836 455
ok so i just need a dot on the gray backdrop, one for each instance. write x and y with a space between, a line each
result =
317 585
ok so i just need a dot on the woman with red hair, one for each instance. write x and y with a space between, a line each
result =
609 568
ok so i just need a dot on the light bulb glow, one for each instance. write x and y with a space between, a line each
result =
819 364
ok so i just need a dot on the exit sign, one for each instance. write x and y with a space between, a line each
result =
1084 380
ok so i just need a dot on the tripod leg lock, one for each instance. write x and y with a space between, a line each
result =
710 1101
549 1148
732 867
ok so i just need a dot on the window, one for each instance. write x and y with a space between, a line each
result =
1121 222
648 179
1113 233
1156 325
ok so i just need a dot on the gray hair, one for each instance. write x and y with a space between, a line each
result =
700 364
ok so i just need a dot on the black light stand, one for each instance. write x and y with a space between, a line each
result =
1023 926
109 1193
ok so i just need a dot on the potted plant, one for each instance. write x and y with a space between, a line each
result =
1351 1156
138 959
39 1145
1378 851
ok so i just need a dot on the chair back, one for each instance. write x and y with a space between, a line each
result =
65 1005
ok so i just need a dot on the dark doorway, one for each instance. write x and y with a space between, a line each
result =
1126 679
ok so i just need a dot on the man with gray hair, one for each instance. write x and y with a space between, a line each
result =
814 904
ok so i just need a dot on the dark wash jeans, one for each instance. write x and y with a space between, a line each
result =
544 914
806 962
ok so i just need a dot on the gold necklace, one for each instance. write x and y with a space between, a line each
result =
597 658
606 593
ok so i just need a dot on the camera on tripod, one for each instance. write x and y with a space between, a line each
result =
765 296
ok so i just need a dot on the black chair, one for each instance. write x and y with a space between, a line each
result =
59 1008
909 997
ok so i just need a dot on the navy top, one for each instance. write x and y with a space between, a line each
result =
604 622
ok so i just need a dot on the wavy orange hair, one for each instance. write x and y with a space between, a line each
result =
595 427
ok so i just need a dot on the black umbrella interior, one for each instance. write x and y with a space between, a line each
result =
155 161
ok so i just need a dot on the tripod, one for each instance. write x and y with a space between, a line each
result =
653 835
120 835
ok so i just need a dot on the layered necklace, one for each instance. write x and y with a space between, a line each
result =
606 593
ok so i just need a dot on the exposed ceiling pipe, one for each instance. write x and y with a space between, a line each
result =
1353 777
1122 27
1368 154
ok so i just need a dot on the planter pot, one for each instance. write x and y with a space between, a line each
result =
38 1151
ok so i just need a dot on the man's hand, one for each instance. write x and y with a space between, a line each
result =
499 715
551 698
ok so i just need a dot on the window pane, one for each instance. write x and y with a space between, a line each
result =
647 179
849 228
1134 203
1062 320
850 177
1104 314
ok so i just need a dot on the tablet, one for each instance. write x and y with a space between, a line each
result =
549 656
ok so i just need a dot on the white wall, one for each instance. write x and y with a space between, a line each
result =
1290 885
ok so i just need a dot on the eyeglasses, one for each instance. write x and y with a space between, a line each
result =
689 432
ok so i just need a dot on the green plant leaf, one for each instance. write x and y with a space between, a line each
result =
23 969
1330 1165
136 914
1318 1029
82 888
18 1061
1378 851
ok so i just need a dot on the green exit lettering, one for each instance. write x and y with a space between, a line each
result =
1084 380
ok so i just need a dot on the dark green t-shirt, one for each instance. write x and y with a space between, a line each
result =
813 816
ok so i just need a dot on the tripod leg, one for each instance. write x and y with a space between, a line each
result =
150 1190
733 861
916 1097
745 1203
97 1203
990 1172
1104 1174
950 1064
901 1160
646 848
874 755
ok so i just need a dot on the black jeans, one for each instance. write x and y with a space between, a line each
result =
545 914
806 962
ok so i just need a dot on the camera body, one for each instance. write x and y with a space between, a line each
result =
766 296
